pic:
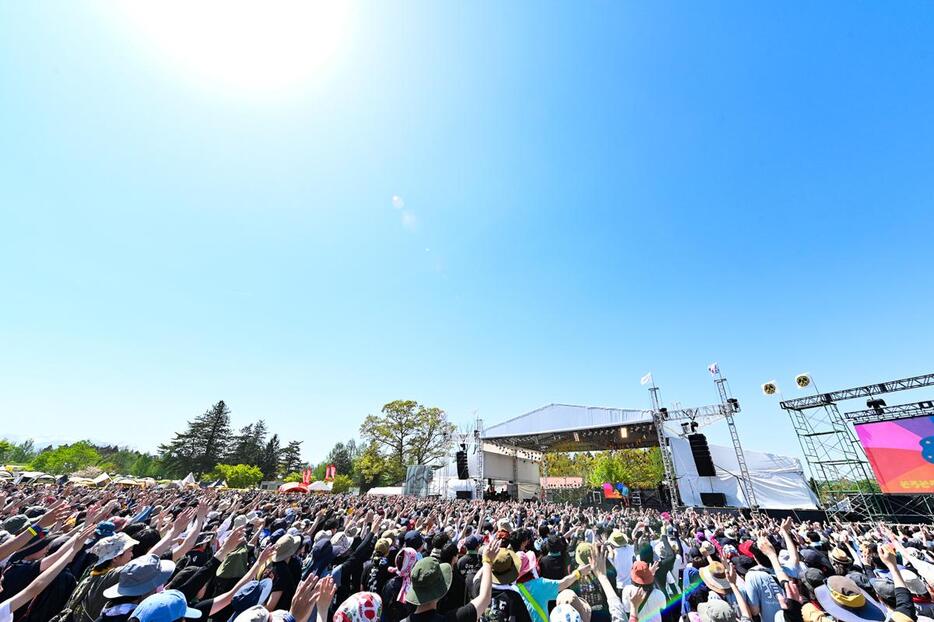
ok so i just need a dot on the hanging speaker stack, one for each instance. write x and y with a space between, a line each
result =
701 453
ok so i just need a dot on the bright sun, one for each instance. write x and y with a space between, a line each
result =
257 46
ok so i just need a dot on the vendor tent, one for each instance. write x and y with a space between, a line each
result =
293 487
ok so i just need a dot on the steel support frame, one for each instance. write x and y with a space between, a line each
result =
835 457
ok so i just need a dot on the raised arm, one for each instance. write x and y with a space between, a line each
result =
482 601
48 575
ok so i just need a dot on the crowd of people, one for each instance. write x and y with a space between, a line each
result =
73 554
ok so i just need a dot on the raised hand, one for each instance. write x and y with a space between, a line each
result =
303 602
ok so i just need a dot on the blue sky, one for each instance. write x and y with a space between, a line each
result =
588 193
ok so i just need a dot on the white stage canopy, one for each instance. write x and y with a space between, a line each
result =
778 481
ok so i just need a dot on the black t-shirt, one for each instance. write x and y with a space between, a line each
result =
285 576
467 567
375 575
467 613
393 610
17 578
507 605
552 567
205 606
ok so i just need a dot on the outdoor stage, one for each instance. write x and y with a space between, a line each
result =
513 452
871 464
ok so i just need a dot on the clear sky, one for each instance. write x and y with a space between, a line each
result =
199 205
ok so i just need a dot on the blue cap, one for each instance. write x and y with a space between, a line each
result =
105 529
472 543
167 606
250 595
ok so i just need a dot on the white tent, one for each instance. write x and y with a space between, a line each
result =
778 481
385 491
320 486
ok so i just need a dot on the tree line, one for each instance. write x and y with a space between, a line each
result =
403 433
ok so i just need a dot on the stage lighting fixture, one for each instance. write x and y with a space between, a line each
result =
685 427
664 413
694 426
735 403
876 404
926 405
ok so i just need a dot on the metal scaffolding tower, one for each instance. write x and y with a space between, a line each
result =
730 406
699 417
834 455
659 422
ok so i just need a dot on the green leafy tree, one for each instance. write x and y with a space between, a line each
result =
248 445
294 476
200 447
342 483
269 463
342 456
290 458
238 475
373 469
637 468
17 453
408 433
66 458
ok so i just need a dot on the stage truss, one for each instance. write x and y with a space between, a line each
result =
652 429
836 459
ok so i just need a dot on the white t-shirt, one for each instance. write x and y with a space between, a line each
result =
622 561
652 607
6 611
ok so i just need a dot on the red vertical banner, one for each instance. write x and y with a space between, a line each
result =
306 476
329 472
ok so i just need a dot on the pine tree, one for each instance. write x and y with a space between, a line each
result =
241 449
269 463
202 446
290 459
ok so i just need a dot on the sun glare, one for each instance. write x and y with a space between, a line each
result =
258 47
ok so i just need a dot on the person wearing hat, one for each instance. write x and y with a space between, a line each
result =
111 554
846 602
430 581
285 572
137 579
376 569
167 606
642 601
623 554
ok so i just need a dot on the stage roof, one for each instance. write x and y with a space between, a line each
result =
565 427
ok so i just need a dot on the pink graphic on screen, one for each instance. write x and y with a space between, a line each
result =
901 453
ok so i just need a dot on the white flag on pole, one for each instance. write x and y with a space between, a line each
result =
646 379
714 369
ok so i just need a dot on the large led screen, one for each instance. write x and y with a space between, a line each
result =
901 453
